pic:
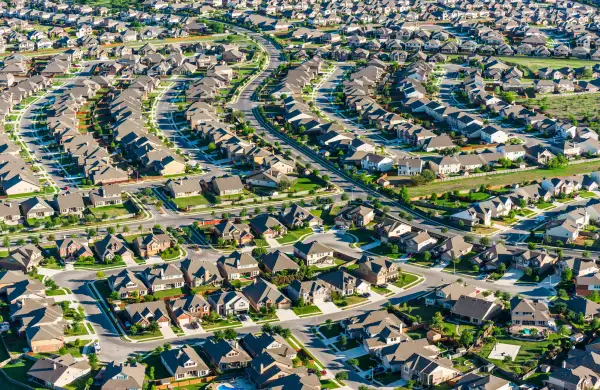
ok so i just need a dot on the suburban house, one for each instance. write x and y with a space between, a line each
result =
310 291
142 314
343 283
229 302
475 310
163 277
391 230
538 260
238 265
377 271
56 373
267 227
184 363
277 261
121 376
358 216
201 273
376 329
233 232
267 342
446 296
126 284
314 253
189 309
262 293
226 354
530 312
151 244
296 216
111 246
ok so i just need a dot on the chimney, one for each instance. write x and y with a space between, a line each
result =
564 364
53 366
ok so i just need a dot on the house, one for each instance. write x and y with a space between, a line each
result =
454 248
488 382
142 314
163 277
475 310
127 284
394 356
416 242
579 266
229 302
183 363
128 376
264 294
267 342
314 253
530 312
375 162
107 195
491 258
391 230
309 292
578 371
343 283
72 248
69 203
266 226
200 273
277 261
188 309
233 232
359 216
238 266
110 246
538 260
377 329
226 354
583 305
24 258
58 372
36 208
377 271
151 244
296 216
447 295
585 285
224 186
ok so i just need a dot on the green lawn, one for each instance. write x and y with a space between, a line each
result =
190 201
464 266
173 292
331 331
544 205
587 194
405 279
294 235
146 335
530 351
417 334
525 212
221 324
387 378
383 250
363 235
153 360
501 180
114 211
350 344
349 301
53 293
328 384
380 290
307 311
306 184
367 362
535 63
170 254
260 318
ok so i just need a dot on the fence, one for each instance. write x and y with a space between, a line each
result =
168 384
471 175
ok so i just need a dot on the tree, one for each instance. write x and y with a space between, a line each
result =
531 246
426 255
230 334
93 360
467 338
353 362
562 294
341 376
100 275
329 324
133 329
436 321
114 296
219 335
564 331
485 241
153 327
595 324
267 328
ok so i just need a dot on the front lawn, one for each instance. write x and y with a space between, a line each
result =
221 324
544 205
17 370
191 201
172 292
331 330
366 362
587 194
153 360
260 317
145 334
113 211
349 301
464 266
294 235
306 184
380 290
171 254
350 344
307 311
388 378
364 236
405 279
328 384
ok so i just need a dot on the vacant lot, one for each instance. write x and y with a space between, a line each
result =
536 63
501 179
582 108
114 211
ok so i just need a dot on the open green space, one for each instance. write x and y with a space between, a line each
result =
350 344
331 330
405 279
363 235
535 63
380 290
464 266
579 107
294 235
114 211
190 201
306 311
221 324
501 179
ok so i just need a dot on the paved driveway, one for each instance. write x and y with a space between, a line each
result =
328 307
510 277
167 332
273 243
286 314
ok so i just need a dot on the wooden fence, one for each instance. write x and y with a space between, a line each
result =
170 383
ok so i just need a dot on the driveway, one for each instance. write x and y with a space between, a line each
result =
510 277
328 307
130 263
286 315
273 243
167 332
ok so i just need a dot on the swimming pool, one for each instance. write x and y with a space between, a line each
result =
228 387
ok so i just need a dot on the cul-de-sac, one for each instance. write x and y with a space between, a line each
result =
300 194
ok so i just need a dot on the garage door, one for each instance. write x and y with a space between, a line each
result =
184 321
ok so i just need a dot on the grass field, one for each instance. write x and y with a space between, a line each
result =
114 211
501 179
568 107
306 311
191 201
534 63
294 235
